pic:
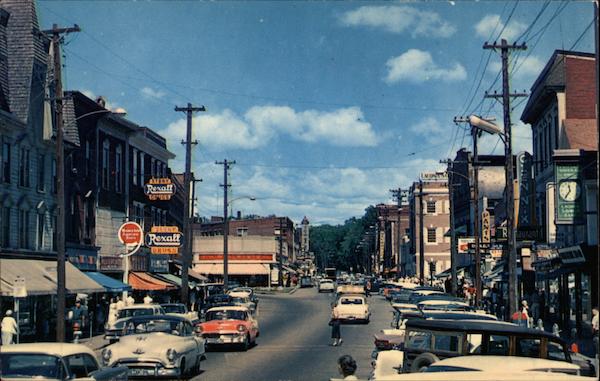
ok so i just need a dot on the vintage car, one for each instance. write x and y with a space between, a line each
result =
180 309
352 307
54 361
217 300
350 289
306 281
326 285
229 325
427 341
243 300
113 331
444 305
157 346
248 291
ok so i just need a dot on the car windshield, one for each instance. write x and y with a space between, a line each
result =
30 365
173 327
174 308
226 315
240 299
351 301
129 312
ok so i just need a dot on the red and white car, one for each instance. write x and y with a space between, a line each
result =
229 325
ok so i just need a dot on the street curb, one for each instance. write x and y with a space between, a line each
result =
294 290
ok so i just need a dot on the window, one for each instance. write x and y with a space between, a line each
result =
5 226
54 225
80 365
24 229
54 178
152 167
430 207
242 232
556 352
474 341
498 345
24 167
164 170
105 166
118 156
40 231
41 173
431 236
142 169
87 206
527 347
87 157
419 340
135 167
5 162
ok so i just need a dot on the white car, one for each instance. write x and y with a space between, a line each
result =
326 285
501 364
179 309
112 331
242 299
157 346
54 361
352 307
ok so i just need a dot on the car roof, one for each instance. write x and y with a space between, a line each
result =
228 308
436 302
157 317
515 363
458 315
171 304
478 325
55 349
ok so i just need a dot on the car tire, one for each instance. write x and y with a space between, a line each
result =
246 344
422 361
182 372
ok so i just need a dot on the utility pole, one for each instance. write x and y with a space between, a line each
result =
280 261
194 181
397 195
421 238
226 166
55 35
476 224
513 297
453 259
186 256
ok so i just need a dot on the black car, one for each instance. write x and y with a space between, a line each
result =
217 300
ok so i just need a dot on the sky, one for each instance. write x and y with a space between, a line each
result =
325 106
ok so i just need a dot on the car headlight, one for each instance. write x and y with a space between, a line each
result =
106 355
241 328
171 354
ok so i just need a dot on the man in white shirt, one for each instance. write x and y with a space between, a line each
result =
147 299
9 328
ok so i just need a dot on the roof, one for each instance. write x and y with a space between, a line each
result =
25 46
70 130
228 308
55 349
580 134
478 325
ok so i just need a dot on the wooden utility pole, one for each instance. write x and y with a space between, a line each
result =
186 255
513 297
421 238
453 259
398 197
55 35
476 224
226 165
280 257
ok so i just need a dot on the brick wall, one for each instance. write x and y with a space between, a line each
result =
580 88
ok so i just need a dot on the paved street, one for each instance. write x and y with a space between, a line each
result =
294 341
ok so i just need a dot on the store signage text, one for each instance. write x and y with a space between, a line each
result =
164 239
159 189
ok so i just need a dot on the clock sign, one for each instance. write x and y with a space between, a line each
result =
569 190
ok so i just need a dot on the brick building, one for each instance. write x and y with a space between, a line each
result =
391 234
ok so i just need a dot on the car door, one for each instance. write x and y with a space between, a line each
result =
195 341
80 365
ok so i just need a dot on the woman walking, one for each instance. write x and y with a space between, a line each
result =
336 334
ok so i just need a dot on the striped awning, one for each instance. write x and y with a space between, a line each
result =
145 281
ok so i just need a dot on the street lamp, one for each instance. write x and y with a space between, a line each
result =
225 238
492 128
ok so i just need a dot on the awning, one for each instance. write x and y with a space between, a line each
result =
460 271
497 273
193 274
232 268
145 281
110 284
174 279
40 277
458 231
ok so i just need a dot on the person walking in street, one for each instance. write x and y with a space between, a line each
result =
336 333
347 367
9 328
368 288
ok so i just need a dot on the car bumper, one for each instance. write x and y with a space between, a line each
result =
224 339
153 368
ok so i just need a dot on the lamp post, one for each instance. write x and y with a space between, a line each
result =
491 128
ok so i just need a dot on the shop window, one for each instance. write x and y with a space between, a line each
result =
5 162
431 235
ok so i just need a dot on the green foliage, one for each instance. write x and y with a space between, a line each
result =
337 246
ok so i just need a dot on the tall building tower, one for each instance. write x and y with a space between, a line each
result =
304 241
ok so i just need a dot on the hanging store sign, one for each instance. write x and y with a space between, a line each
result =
568 193
164 239
132 236
159 189
463 245
434 176
486 232
525 183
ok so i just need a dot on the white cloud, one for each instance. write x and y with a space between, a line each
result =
418 66
430 129
490 26
399 19
150 93
260 124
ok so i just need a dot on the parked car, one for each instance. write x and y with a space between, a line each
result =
229 325
180 309
326 285
113 331
157 346
352 307
501 363
427 341
54 361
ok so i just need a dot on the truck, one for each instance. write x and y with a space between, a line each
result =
331 273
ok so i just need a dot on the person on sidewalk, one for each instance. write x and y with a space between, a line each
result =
336 333
595 328
148 299
9 328
368 288
347 367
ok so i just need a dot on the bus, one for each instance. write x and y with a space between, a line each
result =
330 273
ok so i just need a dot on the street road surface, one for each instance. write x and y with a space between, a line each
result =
294 342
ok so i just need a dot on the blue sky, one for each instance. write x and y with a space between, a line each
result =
325 106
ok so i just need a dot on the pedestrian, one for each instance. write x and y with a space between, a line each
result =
130 301
80 314
525 312
336 333
120 304
113 312
595 326
347 367
147 299
368 288
9 328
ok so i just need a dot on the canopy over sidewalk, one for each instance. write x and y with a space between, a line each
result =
145 281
